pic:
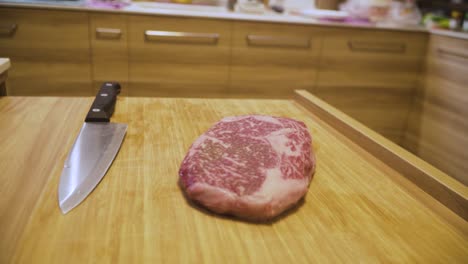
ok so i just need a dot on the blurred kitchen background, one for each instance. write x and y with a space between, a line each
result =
433 14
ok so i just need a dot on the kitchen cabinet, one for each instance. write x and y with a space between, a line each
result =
178 56
372 75
109 49
49 51
272 60
438 125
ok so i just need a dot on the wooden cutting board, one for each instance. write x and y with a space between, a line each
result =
358 208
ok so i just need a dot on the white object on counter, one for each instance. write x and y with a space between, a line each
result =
298 4
319 13
374 10
250 7
4 65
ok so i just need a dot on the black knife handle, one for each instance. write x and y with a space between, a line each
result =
104 103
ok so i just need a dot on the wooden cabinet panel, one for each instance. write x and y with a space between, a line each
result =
438 125
109 49
372 76
439 136
384 112
272 60
446 82
49 52
175 56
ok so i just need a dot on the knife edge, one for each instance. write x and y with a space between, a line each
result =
72 191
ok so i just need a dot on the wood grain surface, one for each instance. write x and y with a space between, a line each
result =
165 68
49 52
109 52
372 76
450 192
356 210
438 126
3 78
32 135
273 69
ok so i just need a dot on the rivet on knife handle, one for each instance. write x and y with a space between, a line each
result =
104 103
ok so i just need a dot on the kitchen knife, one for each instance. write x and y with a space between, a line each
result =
94 149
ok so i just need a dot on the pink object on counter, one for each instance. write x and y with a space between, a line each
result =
107 4
349 20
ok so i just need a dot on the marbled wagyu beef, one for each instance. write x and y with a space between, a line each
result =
253 166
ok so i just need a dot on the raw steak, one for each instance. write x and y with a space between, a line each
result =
251 166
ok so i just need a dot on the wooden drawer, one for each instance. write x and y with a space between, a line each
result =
49 51
447 79
438 125
385 113
449 48
372 76
175 56
365 58
273 59
438 136
109 49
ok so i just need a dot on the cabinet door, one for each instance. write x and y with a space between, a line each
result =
49 51
438 125
175 56
372 76
109 49
272 60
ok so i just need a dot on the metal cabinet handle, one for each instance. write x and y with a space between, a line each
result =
370 46
278 41
108 33
8 30
461 55
181 37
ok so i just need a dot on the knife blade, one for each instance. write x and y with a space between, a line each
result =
94 150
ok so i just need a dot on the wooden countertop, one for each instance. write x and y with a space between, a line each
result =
450 33
358 208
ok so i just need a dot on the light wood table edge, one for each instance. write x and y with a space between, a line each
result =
3 78
4 65
442 187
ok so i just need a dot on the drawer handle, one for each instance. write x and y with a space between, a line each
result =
452 53
275 41
364 46
181 37
8 30
108 33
